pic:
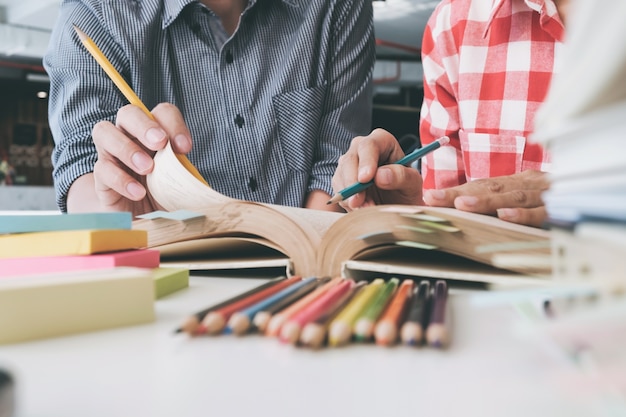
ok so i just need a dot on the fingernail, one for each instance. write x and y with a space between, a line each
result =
437 194
182 142
468 200
141 161
385 176
155 135
507 213
135 190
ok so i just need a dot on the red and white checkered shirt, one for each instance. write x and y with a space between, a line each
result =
487 68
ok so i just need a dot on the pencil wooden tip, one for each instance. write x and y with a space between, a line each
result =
335 199
238 324
412 334
339 333
437 335
313 335
213 323
260 320
289 333
385 333
81 35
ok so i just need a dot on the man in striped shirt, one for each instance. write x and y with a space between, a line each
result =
487 69
270 93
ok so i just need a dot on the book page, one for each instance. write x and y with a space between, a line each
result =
172 187
469 235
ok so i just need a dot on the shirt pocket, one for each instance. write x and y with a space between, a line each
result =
298 117
487 155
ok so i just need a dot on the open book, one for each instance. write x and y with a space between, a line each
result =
226 233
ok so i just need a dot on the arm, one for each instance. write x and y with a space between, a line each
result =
100 165
348 105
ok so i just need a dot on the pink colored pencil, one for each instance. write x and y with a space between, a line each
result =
290 331
278 319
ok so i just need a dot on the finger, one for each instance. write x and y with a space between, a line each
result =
489 203
399 184
139 125
531 217
171 120
347 167
112 183
378 148
112 144
440 198
526 180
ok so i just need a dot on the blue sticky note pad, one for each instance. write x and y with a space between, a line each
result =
32 222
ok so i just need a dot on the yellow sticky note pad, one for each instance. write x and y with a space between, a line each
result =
169 280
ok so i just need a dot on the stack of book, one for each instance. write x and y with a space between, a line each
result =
583 129
68 273
582 123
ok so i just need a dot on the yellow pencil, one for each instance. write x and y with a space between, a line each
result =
128 92
340 328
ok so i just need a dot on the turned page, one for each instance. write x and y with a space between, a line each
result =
174 187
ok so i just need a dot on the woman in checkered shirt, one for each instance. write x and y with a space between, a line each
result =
487 69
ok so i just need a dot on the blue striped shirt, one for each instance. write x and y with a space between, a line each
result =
270 108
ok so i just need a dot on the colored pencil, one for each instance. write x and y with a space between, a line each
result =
386 330
125 89
240 321
313 334
437 334
278 319
263 317
364 324
412 331
357 187
290 331
340 329
192 325
215 320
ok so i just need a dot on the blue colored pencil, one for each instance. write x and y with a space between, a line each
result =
240 321
357 187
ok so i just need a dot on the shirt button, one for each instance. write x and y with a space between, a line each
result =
239 121
229 57
252 185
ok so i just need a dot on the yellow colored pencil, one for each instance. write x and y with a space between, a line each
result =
128 92
340 328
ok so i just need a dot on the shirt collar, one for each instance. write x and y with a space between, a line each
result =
549 16
172 8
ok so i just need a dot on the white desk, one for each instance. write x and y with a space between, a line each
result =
147 371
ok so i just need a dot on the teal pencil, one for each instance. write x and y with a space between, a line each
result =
357 187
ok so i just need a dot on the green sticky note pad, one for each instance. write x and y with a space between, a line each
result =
169 280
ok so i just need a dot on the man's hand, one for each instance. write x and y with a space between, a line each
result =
125 153
373 157
515 198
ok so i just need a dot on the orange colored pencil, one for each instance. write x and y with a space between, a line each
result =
278 319
216 320
386 331
290 331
